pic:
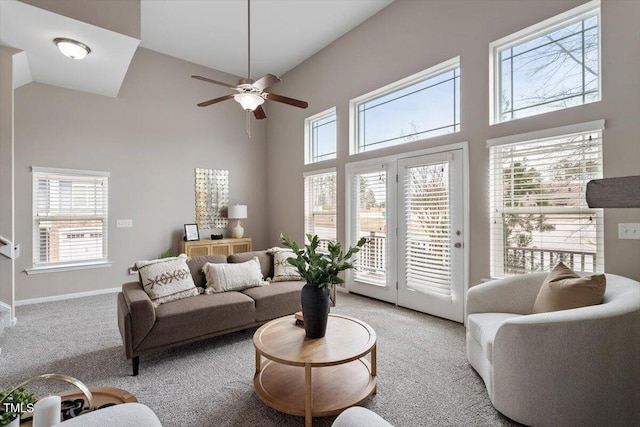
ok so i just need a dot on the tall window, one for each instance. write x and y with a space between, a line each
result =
550 66
539 214
69 217
368 198
320 137
320 206
421 106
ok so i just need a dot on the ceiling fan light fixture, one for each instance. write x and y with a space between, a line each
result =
72 48
249 101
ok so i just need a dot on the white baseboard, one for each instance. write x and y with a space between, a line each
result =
67 296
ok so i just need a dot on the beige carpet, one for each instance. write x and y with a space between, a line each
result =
423 375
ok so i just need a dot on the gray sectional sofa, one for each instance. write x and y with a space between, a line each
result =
145 329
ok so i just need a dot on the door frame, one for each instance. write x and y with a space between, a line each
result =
355 166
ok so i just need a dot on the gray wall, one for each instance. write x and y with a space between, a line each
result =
6 169
410 36
150 138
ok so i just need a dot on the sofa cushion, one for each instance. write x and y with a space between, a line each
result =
276 300
197 262
563 290
199 316
266 261
233 277
166 280
483 328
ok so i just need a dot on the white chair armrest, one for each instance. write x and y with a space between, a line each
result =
515 294
540 359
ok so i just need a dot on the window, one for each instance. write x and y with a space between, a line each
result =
320 206
551 66
69 217
421 106
368 198
539 214
320 137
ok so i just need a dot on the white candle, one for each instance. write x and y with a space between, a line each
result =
46 412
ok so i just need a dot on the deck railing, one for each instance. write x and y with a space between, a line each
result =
526 260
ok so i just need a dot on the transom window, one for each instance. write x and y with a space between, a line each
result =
539 214
320 137
550 66
320 206
421 106
70 217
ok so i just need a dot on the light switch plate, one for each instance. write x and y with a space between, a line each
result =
124 223
629 230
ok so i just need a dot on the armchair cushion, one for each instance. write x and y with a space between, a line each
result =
563 290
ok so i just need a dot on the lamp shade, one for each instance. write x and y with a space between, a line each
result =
237 211
249 101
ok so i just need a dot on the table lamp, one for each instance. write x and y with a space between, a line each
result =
237 212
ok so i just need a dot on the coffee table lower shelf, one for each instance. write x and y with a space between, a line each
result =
334 388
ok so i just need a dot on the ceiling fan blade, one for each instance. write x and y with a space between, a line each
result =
204 79
285 100
259 113
213 101
265 81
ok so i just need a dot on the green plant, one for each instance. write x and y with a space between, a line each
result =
167 254
14 404
317 268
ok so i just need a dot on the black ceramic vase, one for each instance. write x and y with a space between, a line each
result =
315 310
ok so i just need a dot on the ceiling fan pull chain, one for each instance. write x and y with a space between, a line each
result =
249 39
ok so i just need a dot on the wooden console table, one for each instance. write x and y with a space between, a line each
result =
224 247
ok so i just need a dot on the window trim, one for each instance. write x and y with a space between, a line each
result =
564 19
76 264
496 259
308 135
442 67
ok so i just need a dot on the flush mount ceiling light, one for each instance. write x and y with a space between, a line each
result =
71 48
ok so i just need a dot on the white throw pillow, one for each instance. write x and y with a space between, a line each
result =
166 279
225 277
282 270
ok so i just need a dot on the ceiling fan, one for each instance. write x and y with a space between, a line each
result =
251 94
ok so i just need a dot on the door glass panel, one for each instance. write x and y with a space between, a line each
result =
428 229
370 221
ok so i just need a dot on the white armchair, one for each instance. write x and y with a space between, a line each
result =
578 367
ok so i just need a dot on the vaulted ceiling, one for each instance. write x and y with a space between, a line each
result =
212 33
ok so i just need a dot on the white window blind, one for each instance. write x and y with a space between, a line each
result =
369 219
427 219
539 214
70 217
320 206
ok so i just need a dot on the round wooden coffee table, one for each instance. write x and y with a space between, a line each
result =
315 377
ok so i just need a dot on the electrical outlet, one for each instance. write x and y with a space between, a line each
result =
124 223
629 231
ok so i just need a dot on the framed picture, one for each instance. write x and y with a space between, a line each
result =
191 232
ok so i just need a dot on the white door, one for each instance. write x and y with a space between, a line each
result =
430 234
371 213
